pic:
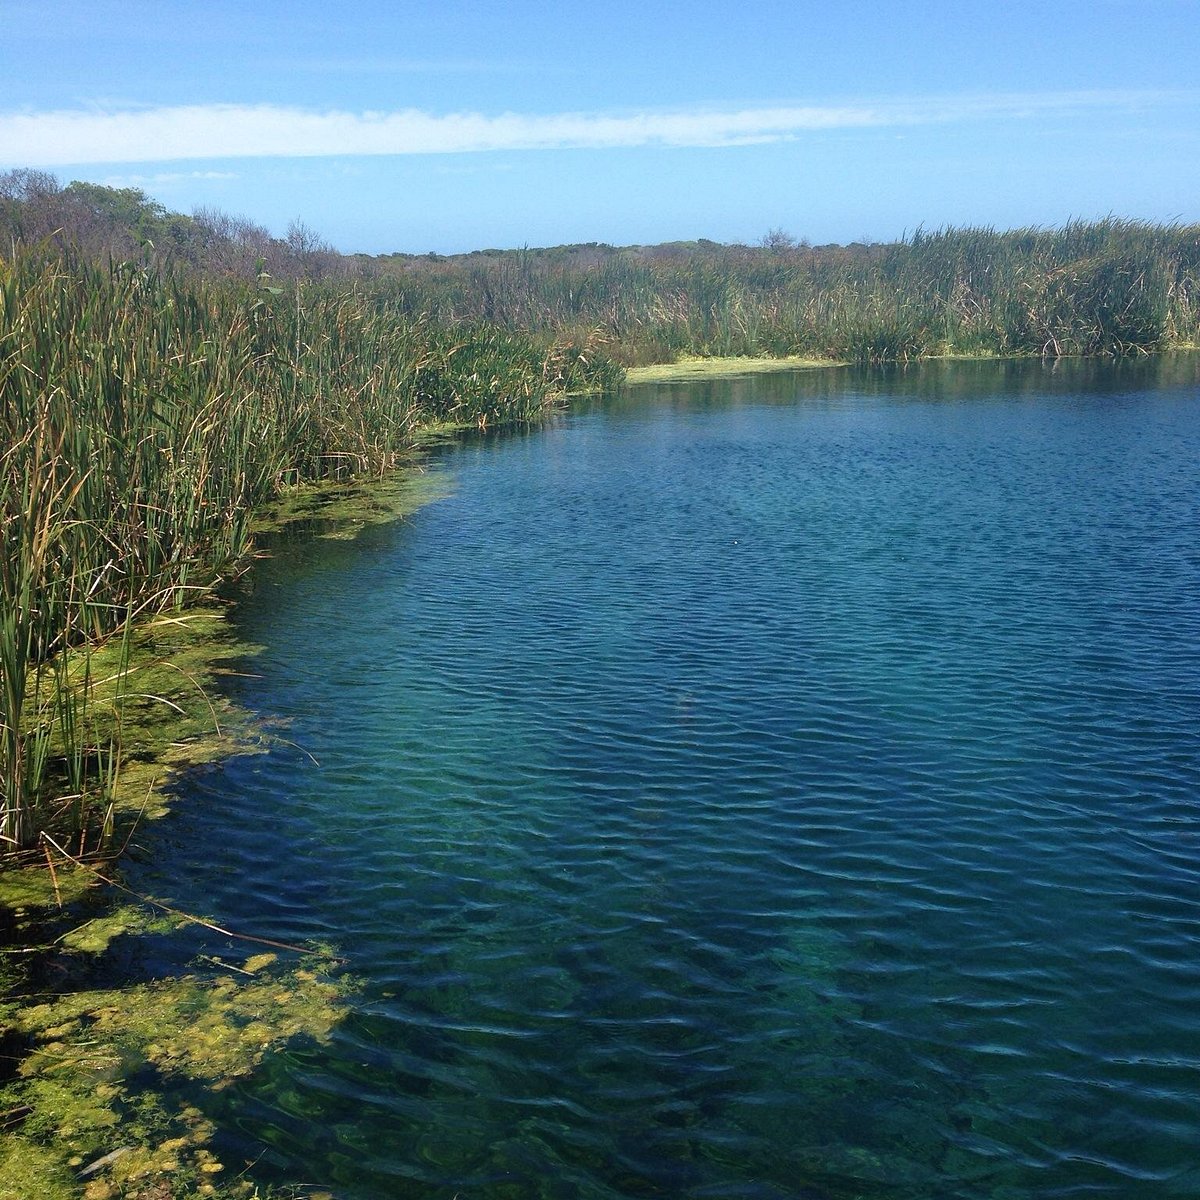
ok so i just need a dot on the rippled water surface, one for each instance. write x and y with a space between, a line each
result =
779 787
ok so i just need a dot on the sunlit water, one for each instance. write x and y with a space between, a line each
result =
767 788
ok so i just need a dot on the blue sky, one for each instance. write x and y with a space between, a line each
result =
453 126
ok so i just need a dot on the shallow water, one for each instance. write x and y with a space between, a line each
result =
776 787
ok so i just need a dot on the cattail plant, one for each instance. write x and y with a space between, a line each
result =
144 418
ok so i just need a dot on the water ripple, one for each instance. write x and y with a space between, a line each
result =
751 793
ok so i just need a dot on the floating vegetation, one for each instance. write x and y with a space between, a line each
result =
688 367
105 1104
96 934
341 511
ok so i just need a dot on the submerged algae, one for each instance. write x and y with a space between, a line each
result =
110 720
110 1068
98 1069
102 1089
96 934
109 1085
206 1028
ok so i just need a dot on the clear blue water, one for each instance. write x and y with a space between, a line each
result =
778 787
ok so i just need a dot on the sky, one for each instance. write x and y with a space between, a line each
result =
448 126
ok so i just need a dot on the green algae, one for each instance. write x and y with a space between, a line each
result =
108 721
82 1085
95 935
32 1172
28 891
209 1028
118 1078
686 368
343 510
107 1088
124 714
101 1068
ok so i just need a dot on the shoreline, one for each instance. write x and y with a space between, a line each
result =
204 1022
330 511
694 367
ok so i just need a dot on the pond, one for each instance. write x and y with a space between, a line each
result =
782 786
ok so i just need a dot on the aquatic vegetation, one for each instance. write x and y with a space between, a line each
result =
342 510
108 1086
105 1086
103 1102
686 368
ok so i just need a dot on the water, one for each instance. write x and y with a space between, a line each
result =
780 787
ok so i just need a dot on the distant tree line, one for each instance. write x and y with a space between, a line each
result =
125 224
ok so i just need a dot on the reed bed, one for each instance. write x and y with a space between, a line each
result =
143 418
1102 287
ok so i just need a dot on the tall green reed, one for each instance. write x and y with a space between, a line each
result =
1101 287
144 418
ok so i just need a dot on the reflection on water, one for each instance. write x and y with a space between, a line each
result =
774 787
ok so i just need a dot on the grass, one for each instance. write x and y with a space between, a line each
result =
1105 287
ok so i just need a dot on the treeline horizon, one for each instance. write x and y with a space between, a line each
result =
1111 286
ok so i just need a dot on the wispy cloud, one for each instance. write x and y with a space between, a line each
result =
68 137
164 177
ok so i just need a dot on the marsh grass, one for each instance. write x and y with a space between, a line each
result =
143 420
1103 287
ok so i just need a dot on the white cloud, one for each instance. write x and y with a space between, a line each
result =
164 177
128 135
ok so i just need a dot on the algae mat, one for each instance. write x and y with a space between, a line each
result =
116 1057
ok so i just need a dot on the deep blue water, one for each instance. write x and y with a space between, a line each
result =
778 787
